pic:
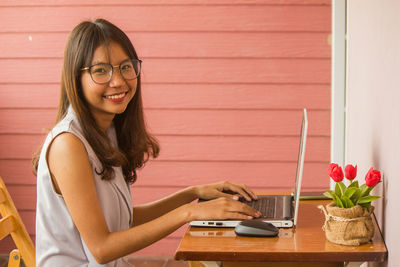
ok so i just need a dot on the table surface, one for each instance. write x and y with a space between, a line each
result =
305 243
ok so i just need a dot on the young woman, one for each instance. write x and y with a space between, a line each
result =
89 159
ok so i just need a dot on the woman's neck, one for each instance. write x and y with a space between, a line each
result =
103 120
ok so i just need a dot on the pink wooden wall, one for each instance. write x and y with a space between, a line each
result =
224 83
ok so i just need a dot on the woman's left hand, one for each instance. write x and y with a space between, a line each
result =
225 189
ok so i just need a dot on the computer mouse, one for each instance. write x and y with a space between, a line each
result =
256 228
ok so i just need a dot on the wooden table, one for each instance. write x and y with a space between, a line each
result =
306 243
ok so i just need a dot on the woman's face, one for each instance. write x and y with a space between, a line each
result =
106 100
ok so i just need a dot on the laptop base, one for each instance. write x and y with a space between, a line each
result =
234 223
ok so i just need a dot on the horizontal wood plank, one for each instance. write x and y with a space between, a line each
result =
183 45
177 174
188 96
17 172
242 122
29 219
145 195
187 70
19 146
171 18
229 148
187 122
254 174
199 148
237 96
24 196
19 121
161 2
164 247
29 95
158 173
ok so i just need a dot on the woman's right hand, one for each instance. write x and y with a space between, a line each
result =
220 209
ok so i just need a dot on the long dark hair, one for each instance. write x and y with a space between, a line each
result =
135 144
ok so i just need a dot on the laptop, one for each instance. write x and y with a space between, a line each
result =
280 210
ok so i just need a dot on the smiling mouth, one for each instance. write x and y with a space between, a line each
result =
116 97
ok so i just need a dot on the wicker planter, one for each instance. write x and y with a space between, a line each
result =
348 226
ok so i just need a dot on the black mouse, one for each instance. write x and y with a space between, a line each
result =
256 228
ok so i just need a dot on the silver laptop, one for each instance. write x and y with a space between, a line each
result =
280 210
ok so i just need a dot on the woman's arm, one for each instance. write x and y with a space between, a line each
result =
72 175
149 211
146 212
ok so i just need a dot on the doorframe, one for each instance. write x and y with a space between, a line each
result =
338 82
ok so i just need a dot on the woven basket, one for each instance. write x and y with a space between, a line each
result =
348 226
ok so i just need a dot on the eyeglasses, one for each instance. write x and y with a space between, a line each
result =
102 72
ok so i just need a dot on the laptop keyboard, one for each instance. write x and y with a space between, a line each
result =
265 205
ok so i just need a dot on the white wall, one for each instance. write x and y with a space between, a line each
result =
373 105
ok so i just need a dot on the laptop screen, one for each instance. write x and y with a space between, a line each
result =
300 164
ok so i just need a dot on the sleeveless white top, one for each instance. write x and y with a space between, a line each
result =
58 242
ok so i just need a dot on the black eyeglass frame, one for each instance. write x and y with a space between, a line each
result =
112 70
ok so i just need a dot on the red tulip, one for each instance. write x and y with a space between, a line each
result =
372 178
335 172
350 172
331 166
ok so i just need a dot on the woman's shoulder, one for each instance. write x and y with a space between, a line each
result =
66 146
66 136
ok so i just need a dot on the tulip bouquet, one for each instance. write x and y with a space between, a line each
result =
353 194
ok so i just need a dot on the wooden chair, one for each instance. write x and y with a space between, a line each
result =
11 223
